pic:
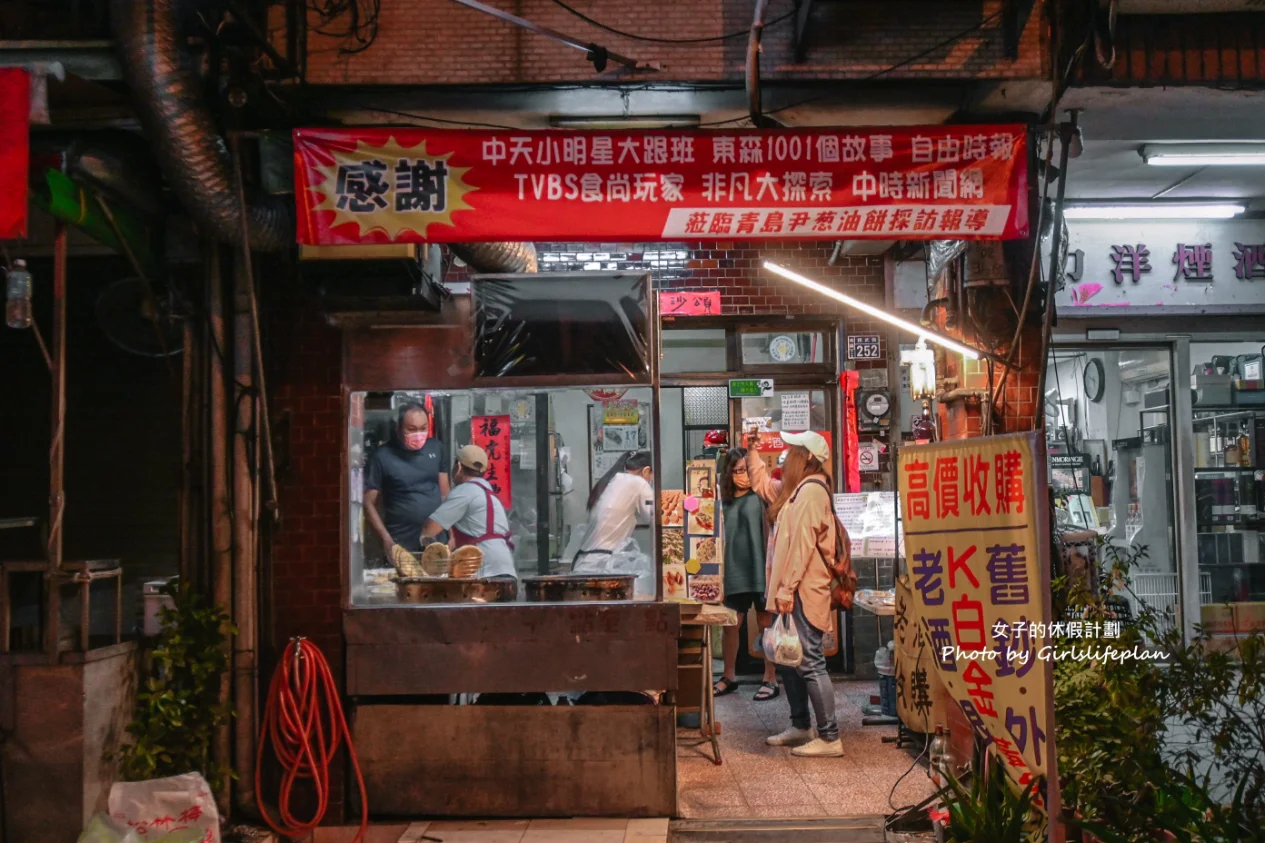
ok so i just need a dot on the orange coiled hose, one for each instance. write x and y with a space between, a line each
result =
304 722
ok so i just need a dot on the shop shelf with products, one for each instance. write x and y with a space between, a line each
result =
1230 499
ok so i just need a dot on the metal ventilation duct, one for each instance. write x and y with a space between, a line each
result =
193 157
190 153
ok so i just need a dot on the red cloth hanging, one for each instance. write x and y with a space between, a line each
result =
848 383
15 150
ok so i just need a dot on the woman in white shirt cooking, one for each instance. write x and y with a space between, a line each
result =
621 500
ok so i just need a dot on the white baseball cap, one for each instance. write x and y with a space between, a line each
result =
814 442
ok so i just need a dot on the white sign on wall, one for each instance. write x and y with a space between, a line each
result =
1170 265
867 456
795 411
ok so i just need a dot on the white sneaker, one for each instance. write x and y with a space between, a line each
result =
817 748
791 737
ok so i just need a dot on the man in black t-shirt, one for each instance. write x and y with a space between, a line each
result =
408 477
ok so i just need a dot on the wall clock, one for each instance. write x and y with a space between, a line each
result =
1095 380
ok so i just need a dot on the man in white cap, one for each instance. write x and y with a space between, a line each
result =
475 515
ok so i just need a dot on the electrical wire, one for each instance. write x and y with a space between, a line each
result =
876 75
926 746
651 40
358 32
899 813
442 120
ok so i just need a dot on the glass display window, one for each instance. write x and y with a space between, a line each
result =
1109 441
1227 385
567 473
694 350
782 348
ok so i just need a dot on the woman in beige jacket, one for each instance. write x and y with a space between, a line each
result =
799 585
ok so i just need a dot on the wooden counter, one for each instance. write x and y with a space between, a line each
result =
511 648
513 761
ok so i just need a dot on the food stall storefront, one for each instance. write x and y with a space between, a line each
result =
554 377
531 382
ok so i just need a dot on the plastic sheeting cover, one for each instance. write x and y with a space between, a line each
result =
562 324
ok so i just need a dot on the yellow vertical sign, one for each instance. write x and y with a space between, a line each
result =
975 518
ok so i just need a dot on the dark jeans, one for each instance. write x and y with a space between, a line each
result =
810 682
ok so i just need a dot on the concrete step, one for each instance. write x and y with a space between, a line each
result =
865 829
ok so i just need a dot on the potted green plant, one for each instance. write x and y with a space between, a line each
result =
992 811
178 706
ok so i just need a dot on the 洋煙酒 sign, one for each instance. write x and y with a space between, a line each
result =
905 183
976 542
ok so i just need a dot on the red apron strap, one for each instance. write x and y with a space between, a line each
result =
489 531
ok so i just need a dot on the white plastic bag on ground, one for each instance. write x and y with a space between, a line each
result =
787 650
175 809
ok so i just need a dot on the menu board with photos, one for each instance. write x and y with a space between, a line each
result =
704 567
672 535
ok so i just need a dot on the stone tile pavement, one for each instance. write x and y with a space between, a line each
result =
758 781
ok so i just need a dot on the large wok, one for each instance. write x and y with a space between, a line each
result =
571 588
456 590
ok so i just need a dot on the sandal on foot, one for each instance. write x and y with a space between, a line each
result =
768 691
724 686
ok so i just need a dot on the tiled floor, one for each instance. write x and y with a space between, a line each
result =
757 780
509 831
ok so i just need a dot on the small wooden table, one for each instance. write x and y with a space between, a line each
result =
703 618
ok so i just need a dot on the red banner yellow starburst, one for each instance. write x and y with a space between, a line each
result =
391 188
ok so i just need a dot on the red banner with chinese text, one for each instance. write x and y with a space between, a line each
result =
902 183
492 434
15 142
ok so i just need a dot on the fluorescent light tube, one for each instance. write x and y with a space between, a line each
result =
616 122
1158 211
1204 154
871 310
1254 160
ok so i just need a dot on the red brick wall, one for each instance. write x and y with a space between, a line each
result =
441 42
305 386
1018 408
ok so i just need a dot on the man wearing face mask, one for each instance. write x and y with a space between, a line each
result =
405 481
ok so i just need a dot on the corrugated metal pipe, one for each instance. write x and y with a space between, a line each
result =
190 152
194 158
497 257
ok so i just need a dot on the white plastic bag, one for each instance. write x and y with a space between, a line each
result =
787 650
768 641
178 808
628 558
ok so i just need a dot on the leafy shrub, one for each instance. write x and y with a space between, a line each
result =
178 706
